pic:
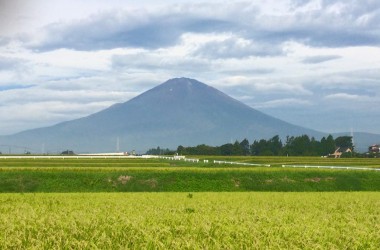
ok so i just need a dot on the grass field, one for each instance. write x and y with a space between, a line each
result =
274 161
147 175
190 221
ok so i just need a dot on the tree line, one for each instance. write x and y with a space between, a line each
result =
293 146
160 151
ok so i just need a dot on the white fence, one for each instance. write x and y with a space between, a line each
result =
176 158
330 167
241 163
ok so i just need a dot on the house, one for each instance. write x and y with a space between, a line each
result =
339 151
374 148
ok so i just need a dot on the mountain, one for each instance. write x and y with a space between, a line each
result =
180 111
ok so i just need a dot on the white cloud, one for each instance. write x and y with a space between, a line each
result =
272 54
320 59
21 116
260 86
295 89
344 96
236 47
287 102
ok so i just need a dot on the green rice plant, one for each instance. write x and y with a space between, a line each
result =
274 161
103 175
184 179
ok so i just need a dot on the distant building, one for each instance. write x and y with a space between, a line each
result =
374 148
106 154
179 157
339 151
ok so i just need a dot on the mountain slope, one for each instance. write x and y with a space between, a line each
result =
180 111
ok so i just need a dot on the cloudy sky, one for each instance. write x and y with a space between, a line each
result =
311 63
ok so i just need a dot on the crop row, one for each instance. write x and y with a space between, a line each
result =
184 179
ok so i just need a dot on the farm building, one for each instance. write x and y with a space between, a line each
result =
339 151
374 148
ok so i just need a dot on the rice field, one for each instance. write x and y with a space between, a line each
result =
160 204
155 175
340 220
274 161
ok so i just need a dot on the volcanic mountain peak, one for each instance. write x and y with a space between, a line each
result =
179 87
180 111
183 83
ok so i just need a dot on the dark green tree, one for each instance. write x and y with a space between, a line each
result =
226 149
206 150
237 149
344 142
181 150
299 146
260 148
263 147
327 145
159 151
244 144
275 145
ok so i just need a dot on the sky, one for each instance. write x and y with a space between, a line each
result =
311 63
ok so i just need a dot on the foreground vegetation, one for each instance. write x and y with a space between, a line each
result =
190 221
93 204
134 175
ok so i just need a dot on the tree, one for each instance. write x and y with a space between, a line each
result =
314 146
204 149
275 145
159 151
244 144
260 147
181 150
287 149
299 146
295 146
226 149
263 147
344 142
327 145
237 149
68 152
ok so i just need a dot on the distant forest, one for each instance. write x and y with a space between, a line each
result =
293 146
